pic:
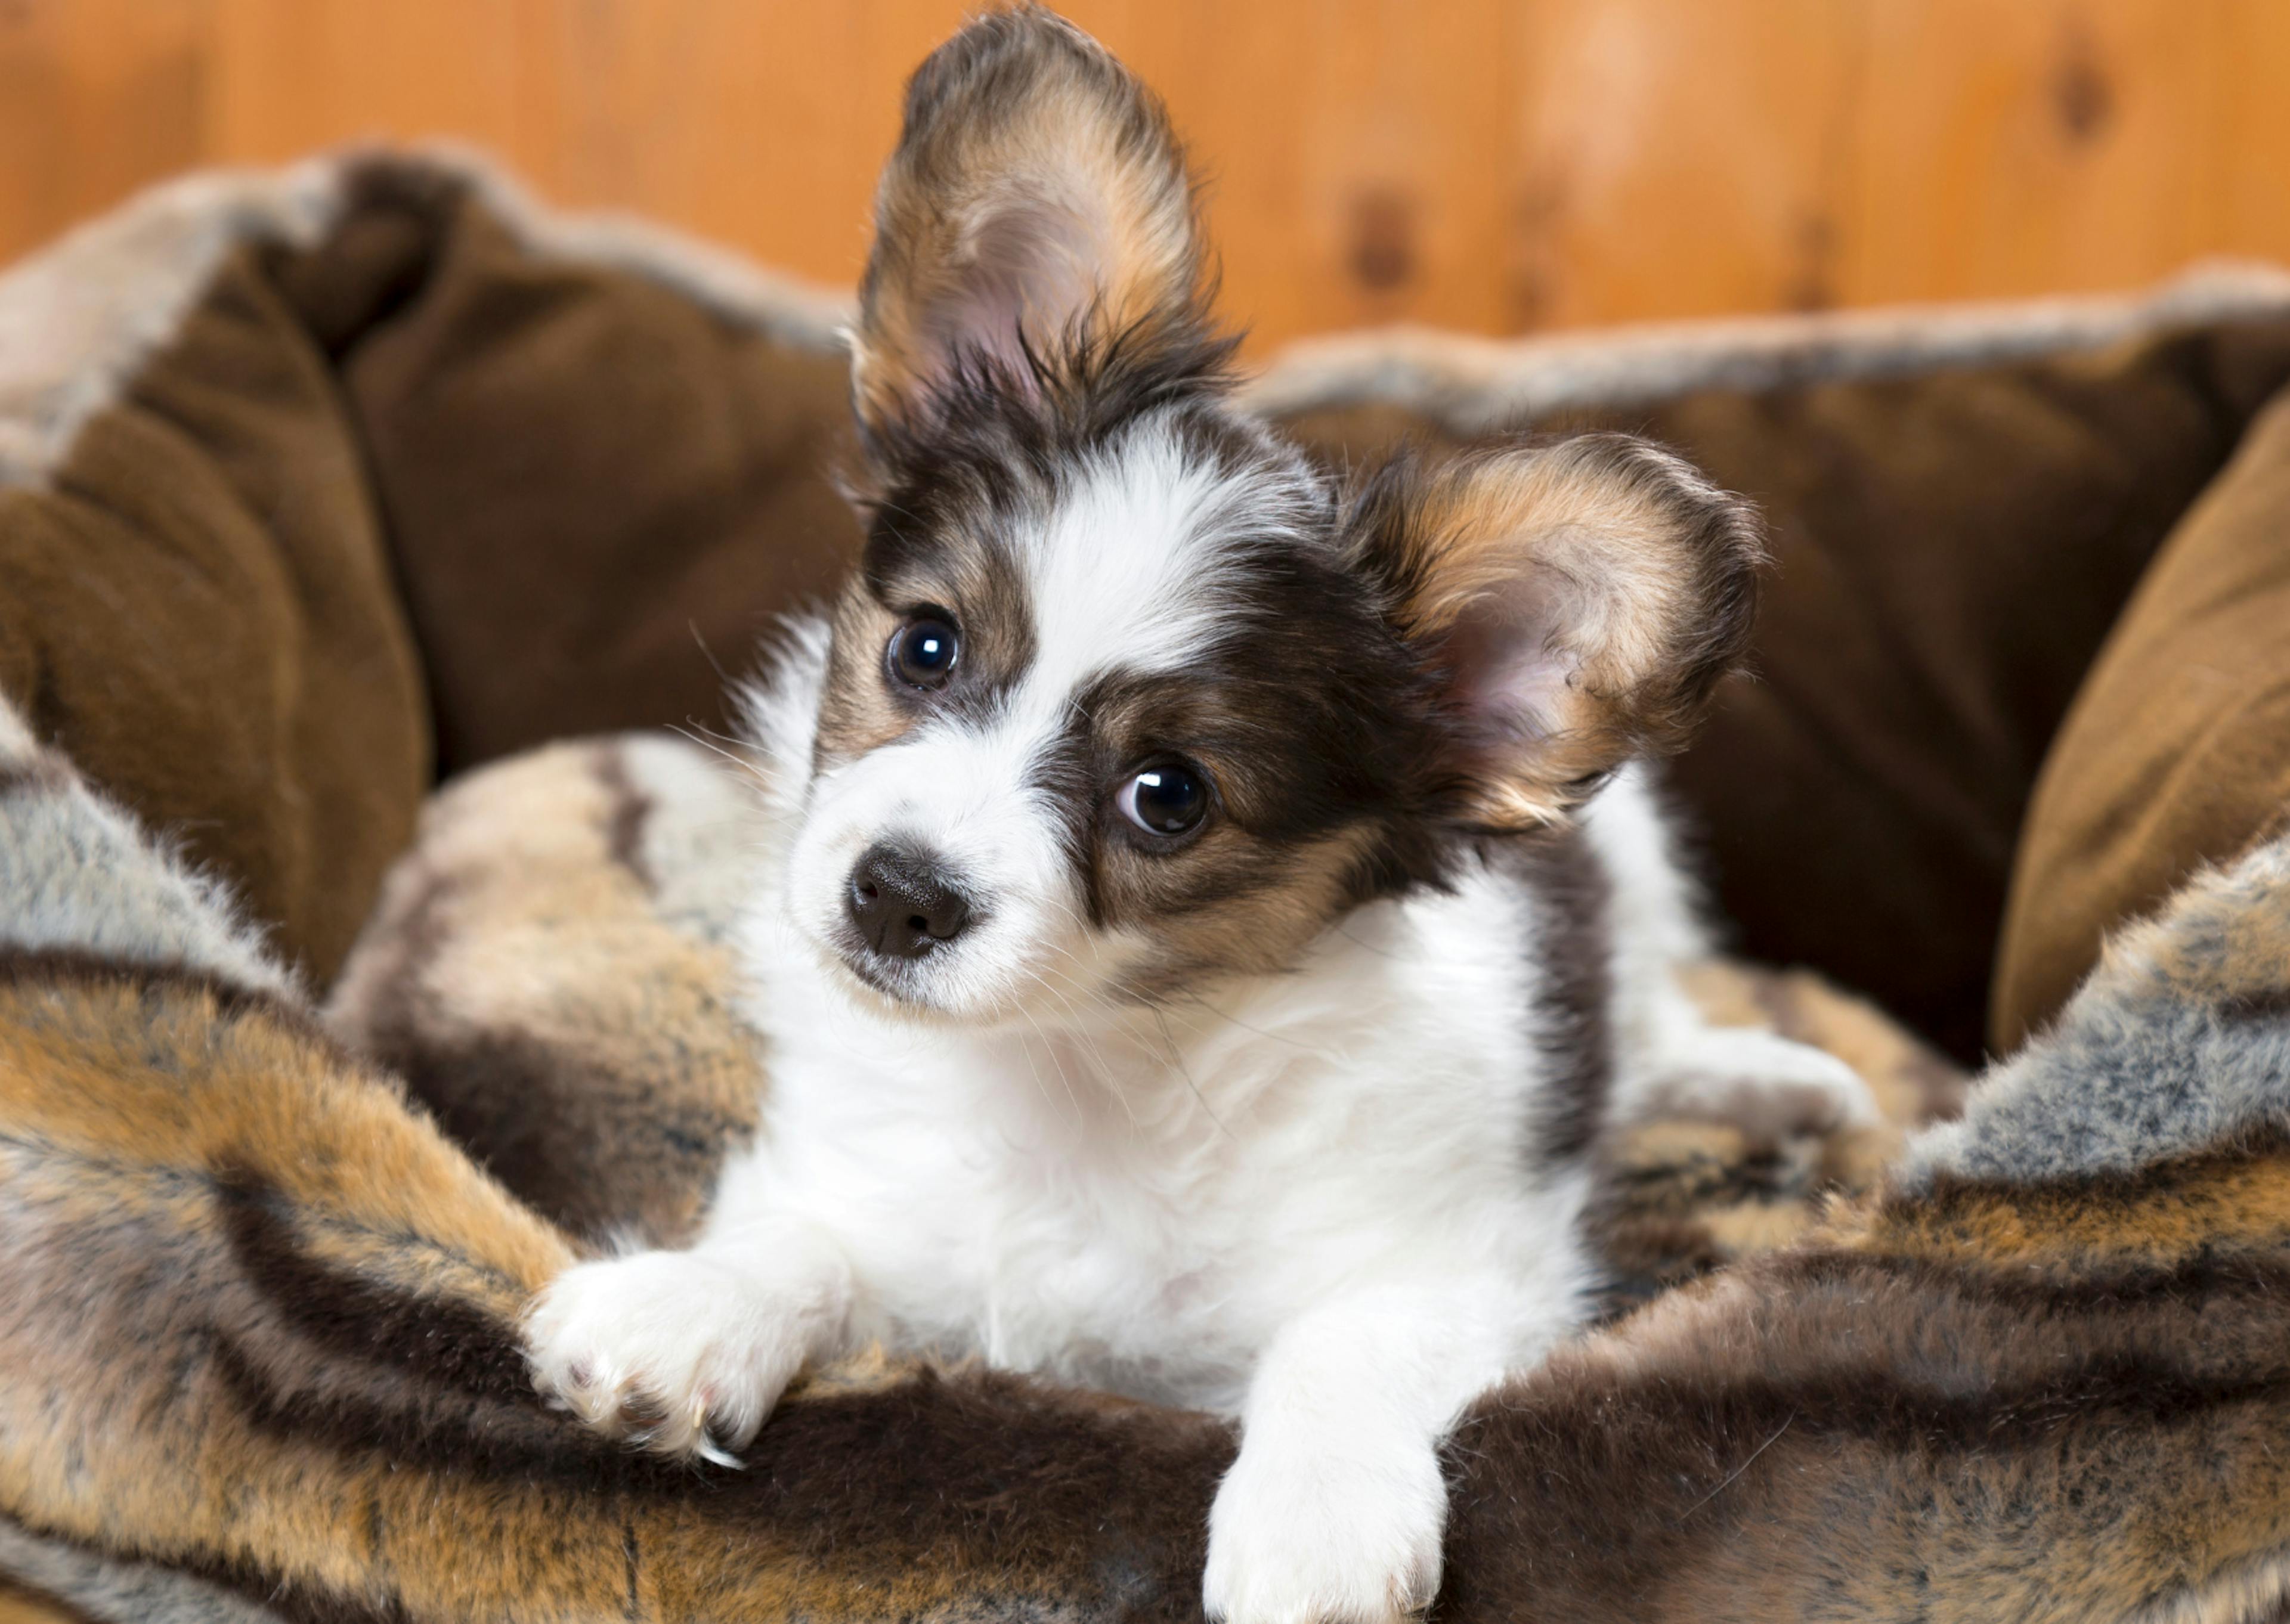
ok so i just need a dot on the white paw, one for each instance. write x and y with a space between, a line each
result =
666 1350
1341 1533
1765 1083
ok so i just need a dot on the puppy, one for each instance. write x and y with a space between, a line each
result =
1192 959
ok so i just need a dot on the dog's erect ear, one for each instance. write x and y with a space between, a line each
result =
1036 198
1577 600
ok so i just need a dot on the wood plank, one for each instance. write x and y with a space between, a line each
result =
2250 154
1682 157
293 77
760 126
98 98
1352 175
2042 145
1491 164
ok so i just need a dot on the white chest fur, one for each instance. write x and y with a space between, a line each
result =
1139 1199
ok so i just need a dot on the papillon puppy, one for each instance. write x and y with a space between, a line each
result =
1212 909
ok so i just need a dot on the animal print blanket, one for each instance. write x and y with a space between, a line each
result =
262 1264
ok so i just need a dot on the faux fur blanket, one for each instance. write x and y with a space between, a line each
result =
259 1358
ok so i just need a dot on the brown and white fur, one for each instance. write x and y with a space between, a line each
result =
1193 959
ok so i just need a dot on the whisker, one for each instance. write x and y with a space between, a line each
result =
1177 1058
1080 1117
707 654
1082 1033
1037 1070
706 738
1276 1038
1367 947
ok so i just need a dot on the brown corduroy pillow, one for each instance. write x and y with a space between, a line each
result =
2176 752
1952 547
408 483
600 494
198 609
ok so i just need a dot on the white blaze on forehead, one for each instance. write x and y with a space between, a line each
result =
1122 572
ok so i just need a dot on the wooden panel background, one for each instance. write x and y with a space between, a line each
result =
1493 164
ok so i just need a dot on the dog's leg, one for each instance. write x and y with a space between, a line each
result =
1334 1509
687 1352
1683 1066
1670 1060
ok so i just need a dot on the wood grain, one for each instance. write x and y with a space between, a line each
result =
1498 166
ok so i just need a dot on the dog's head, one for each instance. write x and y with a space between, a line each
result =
1125 694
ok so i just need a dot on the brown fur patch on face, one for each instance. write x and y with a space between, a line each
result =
957 572
1038 200
1257 926
1310 791
858 712
1582 596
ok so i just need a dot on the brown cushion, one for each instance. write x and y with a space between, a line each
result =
399 498
199 609
2177 751
599 493
1952 548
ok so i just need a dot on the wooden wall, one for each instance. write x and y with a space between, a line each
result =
1495 165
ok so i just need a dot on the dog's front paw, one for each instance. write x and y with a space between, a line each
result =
667 1349
1298 1535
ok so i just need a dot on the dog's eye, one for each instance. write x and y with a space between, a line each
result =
923 651
1169 799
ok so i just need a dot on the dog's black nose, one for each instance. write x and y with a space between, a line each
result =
903 904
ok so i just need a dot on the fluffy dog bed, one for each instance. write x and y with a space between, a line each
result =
318 487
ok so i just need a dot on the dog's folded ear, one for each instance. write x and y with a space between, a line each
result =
1037 207
1575 601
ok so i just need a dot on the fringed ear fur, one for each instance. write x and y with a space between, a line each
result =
1577 599
1037 206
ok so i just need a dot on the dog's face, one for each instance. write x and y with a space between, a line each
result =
1127 696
